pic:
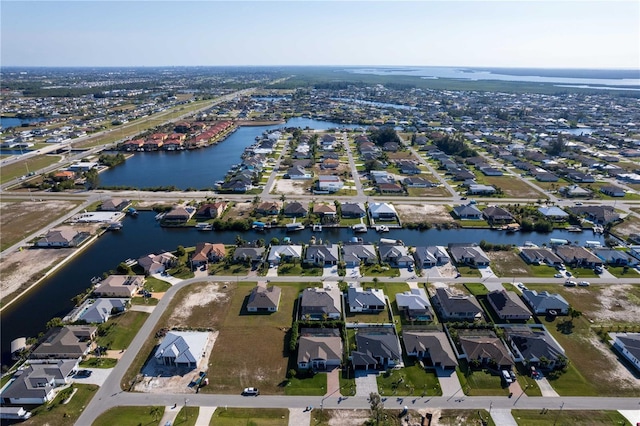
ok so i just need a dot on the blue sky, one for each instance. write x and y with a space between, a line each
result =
546 34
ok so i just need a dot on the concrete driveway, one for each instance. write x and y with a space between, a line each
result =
503 418
545 386
168 278
366 383
449 382
330 271
272 272
353 272
98 376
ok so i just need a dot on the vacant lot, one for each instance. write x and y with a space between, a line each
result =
513 187
567 417
239 211
423 213
508 264
19 168
253 347
291 187
18 219
250 416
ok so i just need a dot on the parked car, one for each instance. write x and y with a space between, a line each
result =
598 269
558 276
568 274
83 374
584 284
513 375
506 376
569 283
250 392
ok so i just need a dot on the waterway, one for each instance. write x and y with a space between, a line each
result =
143 235
6 122
199 168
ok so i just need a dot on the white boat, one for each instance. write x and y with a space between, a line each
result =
114 226
382 228
317 227
204 227
294 227
359 228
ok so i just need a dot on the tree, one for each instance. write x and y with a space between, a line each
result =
54 322
377 407
124 269
92 178
180 251
574 313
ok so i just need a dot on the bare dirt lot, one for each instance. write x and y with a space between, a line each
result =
421 213
240 210
618 304
291 187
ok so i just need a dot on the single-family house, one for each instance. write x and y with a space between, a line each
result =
539 255
628 344
178 215
64 237
415 305
612 191
322 255
553 213
120 286
395 255
264 299
427 257
114 204
97 311
252 255
35 384
296 172
455 306
377 348
574 191
546 303
329 183
182 349
211 210
324 210
286 253
351 210
533 345
614 257
598 214
71 341
320 304
268 208
431 346
382 211
207 252
495 214
479 189
417 182
508 305
157 263
319 349
368 301
469 255
468 212
390 188
485 348
354 254
577 256
295 209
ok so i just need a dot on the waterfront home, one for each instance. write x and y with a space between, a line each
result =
396 255
114 204
382 211
319 349
577 256
63 237
70 341
268 208
431 347
329 183
284 253
545 303
178 215
320 304
601 215
36 383
469 255
249 254
182 349
628 344
467 212
508 306
495 214
354 254
415 305
533 345
485 348
264 299
207 252
553 213
455 306
427 257
322 255
157 263
377 348
120 286
614 257
351 210
211 210
295 209
539 256
97 311
368 301
325 210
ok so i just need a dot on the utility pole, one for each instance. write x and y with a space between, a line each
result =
558 415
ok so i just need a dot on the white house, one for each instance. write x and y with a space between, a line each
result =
382 211
182 348
329 183
628 344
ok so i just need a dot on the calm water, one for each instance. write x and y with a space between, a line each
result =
17 122
143 235
199 168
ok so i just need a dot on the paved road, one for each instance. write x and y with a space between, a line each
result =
352 164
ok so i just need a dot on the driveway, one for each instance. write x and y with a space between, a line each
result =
167 278
330 271
170 414
432 272
449 382
405 273
204 416
353 272
487 272
545 386
503 417
98 376
272 272
299 417
366 383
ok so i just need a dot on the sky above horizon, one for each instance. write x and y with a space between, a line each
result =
540 34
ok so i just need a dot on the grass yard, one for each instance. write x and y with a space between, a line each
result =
299 270
509 264
187 416
464 417
155 285
568 417
513 187
250 416
99 363
121 330
150 301
308 385
130 416
412 380
57 414
622 272
242 333
467 271
391 289
476 289
436 191
379 271
19 168
220 268
479 382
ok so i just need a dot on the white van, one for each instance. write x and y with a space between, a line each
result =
506 376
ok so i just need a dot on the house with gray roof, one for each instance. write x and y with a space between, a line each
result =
263 298
370 300
613 191
182 348
352 210
36 383
628 344
468 212
597 214
120 286
295 209
71 341
537 255
321 255
495 214
486 348
378 348
430 346
320 304
64 237
285 253
319 349
553 213
427 257
508 305
395 255
469 255
533 345
577 256
454 307
97 311
415 305
614 257
249 254
354 254
545 302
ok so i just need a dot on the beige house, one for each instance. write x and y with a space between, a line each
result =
120 286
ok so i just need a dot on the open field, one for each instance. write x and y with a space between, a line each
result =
423 213
291 186
130 416
510 264
250 416
20 168
568 417
513 187
121 330
436 191
412 380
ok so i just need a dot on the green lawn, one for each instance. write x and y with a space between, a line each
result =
412 380
187 416
476 289
99 363
305 384
379 271
479 382
467 271
221 268
121 330
130 416
57 414
299 270
621 272
155 285
568 417
542 271
151 301
250 416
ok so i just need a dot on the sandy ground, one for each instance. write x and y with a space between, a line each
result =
427 212
159 378
239 210
617 372
17 269
498 256
290 186
348 417
616 306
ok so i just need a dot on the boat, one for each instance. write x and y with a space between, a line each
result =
204 226
573 229
160 216
114 226
598 229
132 212
359 228
258 226
382 228
291 227
512 227
316 227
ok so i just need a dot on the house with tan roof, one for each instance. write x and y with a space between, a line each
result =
71 341
431 346
120 286
319 349
264 299
207 252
